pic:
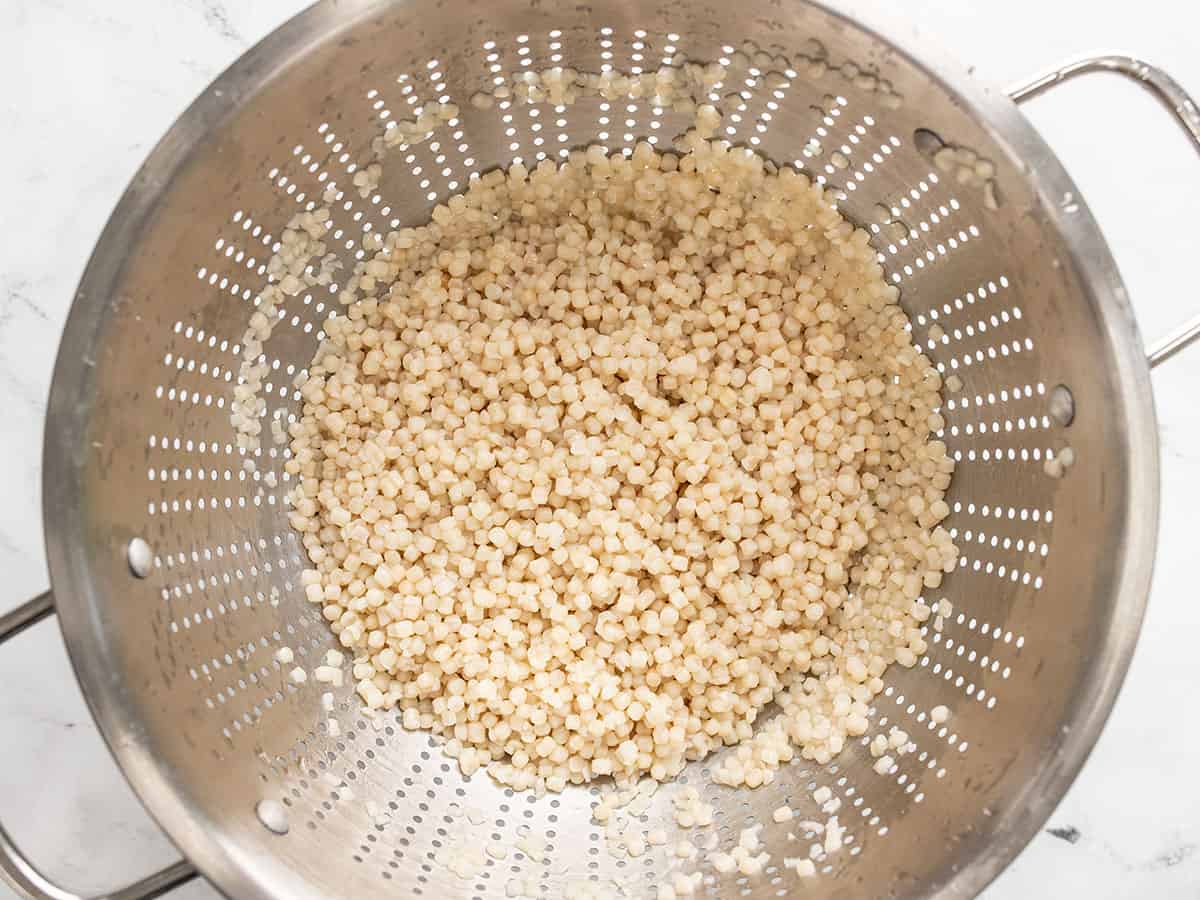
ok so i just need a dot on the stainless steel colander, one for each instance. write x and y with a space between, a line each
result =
175 578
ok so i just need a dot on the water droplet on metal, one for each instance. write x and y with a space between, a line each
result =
927 142
1062 405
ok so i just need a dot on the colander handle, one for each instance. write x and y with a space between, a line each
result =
1170 93
18 872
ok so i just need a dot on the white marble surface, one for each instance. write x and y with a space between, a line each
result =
86 89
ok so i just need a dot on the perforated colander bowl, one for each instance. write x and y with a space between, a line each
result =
175 578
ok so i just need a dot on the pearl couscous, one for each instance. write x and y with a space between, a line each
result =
610 455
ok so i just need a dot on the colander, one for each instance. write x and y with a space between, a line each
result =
175 574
